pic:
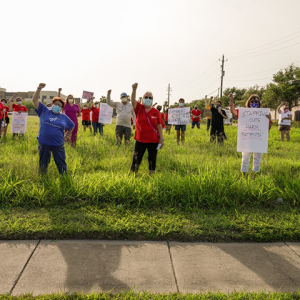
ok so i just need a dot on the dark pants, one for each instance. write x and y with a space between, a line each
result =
217 132
197 123
139 151
97 126
59 157
208 122
122 130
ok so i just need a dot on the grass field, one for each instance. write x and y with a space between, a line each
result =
197 193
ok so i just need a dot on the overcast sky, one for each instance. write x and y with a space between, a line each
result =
96 45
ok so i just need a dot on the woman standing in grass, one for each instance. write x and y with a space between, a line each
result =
285 121
168 126
51 138
252 102
5 119
86 117
148 133
95 117
73 112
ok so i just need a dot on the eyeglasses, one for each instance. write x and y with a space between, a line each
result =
254 101
148 98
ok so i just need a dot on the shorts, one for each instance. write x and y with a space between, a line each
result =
86 123
7 120
180 127
284 127
122 130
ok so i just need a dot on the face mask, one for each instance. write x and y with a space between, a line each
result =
124 99
19 102
181 104
196 108
96 105
85 107
286 110
254 105
3 103
71 100
147 102
217 106
56 109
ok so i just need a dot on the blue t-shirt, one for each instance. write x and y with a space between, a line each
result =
52 126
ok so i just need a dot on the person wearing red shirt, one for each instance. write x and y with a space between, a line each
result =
17 108
159 107
168 126
196 117
1 115
5 118
86 117
95 117
148 132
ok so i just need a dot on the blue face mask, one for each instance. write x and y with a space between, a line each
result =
85 108
56 109
254 105
181 104
147 102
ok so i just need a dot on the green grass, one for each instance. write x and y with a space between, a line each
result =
148 296
197 193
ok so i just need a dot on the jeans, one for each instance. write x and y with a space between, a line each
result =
246 161
97 126
59 157
208 122
197 123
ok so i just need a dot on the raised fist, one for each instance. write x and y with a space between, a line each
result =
42 85
59 89
230 96
108 92
134 86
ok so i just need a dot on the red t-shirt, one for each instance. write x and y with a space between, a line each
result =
144 133
6 110
162 115
1 110
16 107
86 115
95 114
196 113
166 117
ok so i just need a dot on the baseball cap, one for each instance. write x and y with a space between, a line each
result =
123 95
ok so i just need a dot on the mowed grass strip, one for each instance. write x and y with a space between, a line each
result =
198 192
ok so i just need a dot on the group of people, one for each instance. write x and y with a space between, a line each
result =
59 124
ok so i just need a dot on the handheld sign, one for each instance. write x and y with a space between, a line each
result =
19 122
105 115
87 95
179 116
253 130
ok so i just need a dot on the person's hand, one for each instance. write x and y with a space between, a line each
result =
67 138
211 98
60 89
134 86
161 141
133 127
108 93
41 86
230 96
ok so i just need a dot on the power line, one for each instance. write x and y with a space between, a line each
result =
246 79
205 88
264 44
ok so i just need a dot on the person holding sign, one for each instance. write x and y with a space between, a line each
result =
73 112
17 108
252 102
124 112
86 117
181 128
196 117
148 133
217 121
51 138
285 121
5 119
95 117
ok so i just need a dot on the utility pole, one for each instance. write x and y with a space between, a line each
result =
169 94
222 74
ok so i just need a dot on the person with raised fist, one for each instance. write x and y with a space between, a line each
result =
285 121
95 108
55 129
148 133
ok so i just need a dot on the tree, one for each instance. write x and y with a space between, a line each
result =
259 91
102 99
286 87
238 94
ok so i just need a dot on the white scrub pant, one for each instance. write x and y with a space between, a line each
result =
246 161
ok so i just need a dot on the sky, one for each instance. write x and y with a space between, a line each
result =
97 45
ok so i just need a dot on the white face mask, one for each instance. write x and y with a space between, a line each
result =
124 99
71 100
147 101
3 103
96 105
19 102
181 104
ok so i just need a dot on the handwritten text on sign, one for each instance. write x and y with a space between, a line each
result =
105 115
87 95
19 122
253 130
179 116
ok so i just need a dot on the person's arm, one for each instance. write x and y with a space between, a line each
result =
133 95
160 132
206 103
90 103
278 109
68 134
210 101
109 101
59 91
36 95
133 119
11 100
231 105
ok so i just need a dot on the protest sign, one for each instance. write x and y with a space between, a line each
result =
105 115
19 122
253 130
87 95
179 116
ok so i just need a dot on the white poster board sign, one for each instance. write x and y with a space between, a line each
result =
253 130
19 122
179 116
105 115
228 121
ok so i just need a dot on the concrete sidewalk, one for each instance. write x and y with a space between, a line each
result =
87 266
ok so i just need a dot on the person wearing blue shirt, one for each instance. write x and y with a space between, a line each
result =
51 138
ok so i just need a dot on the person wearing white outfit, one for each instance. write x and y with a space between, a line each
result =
252 102
285 121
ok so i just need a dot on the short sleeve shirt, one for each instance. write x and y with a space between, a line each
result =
196 113
6 110
144 132
71 111
86 116
285 115
17 107
95 114
52 126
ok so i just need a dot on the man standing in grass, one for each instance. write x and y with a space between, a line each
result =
180 128
125 112
208 112
196 117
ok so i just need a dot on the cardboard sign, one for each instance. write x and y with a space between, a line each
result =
87 95
253 130
19 122
105 115
179 116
